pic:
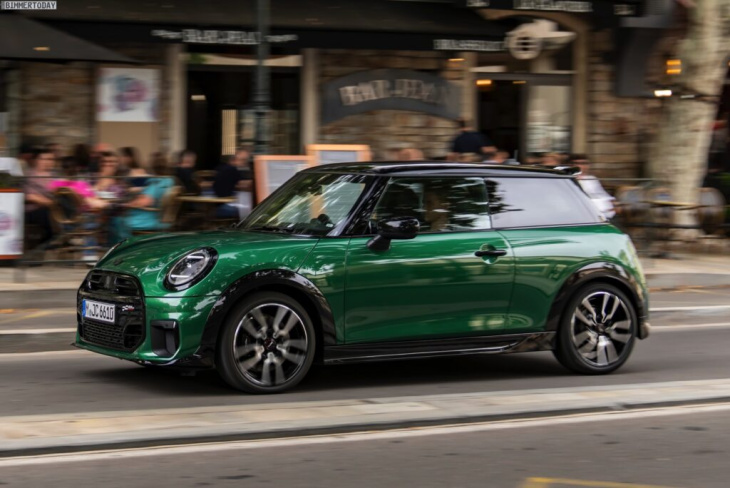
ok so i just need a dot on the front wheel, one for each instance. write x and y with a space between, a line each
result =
267 344
598 330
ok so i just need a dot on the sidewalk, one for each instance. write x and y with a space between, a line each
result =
23 435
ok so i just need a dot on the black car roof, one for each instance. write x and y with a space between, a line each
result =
442 168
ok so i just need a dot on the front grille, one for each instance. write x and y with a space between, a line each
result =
116 284
128 331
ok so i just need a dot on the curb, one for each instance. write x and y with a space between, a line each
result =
83 432
343 430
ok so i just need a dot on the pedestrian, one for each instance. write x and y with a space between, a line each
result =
185 170
82 158
131 165
97 154
592 186
551 160
228 180
143 211
243 163
108 184
38 193
533 159
491 157
469 141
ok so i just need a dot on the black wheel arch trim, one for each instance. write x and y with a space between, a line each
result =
607 272
260 279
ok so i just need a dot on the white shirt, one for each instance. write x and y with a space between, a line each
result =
600 197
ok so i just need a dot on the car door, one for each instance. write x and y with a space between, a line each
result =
454 279
552 232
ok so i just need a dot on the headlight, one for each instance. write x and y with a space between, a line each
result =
191 268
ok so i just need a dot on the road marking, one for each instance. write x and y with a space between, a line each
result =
36 331
548 482
698 307
38 314
666 328
413 432
35 356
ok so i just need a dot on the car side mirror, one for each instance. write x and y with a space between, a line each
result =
394 228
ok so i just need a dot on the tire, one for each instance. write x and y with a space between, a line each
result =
267 344
597 331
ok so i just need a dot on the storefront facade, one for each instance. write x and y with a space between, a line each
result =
535 77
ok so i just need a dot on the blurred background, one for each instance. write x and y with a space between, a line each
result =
152 89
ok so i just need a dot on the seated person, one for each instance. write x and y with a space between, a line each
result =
108 185
137 175
185 170
228 180
144 210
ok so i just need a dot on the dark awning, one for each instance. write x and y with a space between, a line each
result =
338 15
25 39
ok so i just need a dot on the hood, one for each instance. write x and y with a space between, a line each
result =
149 258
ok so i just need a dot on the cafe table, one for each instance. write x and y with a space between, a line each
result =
209 202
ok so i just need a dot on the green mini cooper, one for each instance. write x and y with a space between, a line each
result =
371 262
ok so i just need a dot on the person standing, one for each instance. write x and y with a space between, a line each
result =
469 141
38 193
593 188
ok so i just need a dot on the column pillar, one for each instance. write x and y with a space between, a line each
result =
580 91
469 90
309 96
176 67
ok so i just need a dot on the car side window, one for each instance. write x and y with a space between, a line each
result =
535 202
441 204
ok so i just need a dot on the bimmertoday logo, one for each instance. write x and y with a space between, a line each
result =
28 5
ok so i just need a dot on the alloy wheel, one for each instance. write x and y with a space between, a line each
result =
601 328
270 344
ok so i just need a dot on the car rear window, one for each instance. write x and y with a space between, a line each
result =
538 202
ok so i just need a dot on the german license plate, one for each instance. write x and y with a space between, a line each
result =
103 312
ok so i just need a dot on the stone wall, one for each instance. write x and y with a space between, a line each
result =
621 129
57 100
387 130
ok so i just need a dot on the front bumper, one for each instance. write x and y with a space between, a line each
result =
644 330
169 329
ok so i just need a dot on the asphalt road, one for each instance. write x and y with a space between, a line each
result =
77 381
631 450
635 451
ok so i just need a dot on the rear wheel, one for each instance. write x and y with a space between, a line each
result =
598 330
267 344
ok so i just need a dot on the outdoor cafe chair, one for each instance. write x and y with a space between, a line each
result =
67 217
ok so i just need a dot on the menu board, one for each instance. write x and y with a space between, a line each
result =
11 223
270 172
338 153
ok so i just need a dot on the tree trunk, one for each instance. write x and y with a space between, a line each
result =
679 158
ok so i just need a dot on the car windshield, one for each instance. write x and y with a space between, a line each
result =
310 204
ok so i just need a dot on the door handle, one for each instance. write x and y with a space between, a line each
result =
490 252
